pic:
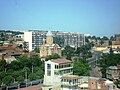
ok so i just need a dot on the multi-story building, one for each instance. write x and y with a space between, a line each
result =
55 69
71 38
35 39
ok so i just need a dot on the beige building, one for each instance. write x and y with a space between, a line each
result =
48 47
94 83
113 72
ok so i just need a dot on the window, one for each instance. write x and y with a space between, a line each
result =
56 66
48 73
48 66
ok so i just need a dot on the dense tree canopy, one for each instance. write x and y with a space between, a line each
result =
84 51
81 67
68 52
16 70
108 60
59 41
37 50
20 79
7 80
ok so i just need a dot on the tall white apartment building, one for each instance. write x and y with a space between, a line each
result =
28 38
55 69
34 39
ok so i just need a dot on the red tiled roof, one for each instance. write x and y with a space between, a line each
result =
60 60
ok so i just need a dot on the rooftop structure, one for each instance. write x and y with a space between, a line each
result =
49 33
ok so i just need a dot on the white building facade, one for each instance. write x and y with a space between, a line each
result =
28 38
55 69
35 39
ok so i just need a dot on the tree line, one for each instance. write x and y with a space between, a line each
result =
24 67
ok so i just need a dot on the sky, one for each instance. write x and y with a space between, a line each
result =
97 17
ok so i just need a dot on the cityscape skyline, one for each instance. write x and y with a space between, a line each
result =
100 18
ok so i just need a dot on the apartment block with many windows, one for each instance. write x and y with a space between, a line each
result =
35 39
72 39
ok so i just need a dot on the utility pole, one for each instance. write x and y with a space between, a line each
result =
32 68
26 77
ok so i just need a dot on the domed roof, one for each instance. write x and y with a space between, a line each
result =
49 33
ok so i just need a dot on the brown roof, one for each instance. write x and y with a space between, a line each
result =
14 46
60 60
118 66
5 46
70 77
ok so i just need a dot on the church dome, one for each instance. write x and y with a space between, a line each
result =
49 33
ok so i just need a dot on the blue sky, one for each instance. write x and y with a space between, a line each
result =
97 17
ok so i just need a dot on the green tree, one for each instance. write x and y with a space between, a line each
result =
94 37
53 56
39 72
32 76
35 60
81 67
98 38
68 52
7 80
3 65
86 39
15 74
112 38
24 61
2 75
105 38
107 60
26 69
37 50
15 65
20 79
84 51
101 42
59 41
110 43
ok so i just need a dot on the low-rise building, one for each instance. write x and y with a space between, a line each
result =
70 82
97 84
113 72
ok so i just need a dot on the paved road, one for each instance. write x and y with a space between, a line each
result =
95 72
